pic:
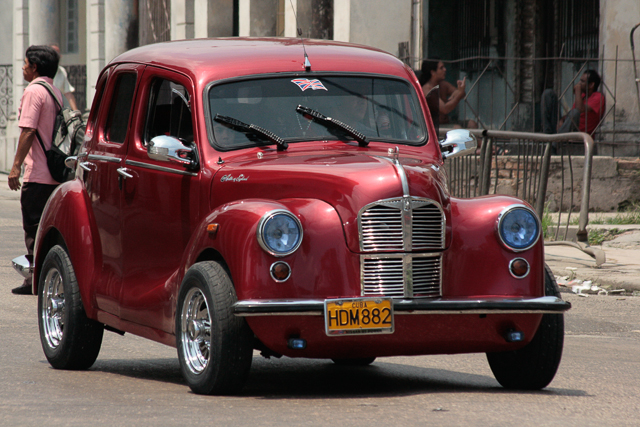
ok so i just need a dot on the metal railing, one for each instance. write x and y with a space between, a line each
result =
518 164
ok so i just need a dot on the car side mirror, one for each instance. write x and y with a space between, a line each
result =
170 149
458 142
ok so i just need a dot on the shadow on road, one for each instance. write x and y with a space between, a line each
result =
321 378
163 370
318 379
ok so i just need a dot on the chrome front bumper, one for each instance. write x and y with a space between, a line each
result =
22 265
314 307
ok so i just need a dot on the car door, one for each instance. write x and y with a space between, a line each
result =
108 146
160 201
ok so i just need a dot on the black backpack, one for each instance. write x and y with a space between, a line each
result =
67 138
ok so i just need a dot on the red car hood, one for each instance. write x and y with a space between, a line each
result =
346 180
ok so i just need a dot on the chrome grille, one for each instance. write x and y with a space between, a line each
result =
383 276
427 231
403 224
402 275
381 228
426 276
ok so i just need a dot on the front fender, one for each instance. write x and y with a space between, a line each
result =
67 219
322 266
477 263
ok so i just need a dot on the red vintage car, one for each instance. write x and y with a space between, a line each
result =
289 196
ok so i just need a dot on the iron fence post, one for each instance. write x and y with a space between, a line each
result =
544 178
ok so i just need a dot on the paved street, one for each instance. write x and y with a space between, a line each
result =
137 382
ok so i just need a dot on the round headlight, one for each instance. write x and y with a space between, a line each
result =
279 233
518 228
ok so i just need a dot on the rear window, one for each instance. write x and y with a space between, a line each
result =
383 109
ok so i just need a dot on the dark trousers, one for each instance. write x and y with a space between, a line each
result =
549 113
33 198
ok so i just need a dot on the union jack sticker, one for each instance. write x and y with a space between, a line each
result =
305 84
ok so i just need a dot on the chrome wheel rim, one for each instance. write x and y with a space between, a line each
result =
196 331
53 308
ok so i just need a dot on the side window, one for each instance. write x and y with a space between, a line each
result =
116 129
169 111
97 100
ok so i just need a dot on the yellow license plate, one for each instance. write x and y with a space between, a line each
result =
358 316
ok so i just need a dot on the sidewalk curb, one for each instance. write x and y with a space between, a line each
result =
621 270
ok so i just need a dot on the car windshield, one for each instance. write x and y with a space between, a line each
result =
383 109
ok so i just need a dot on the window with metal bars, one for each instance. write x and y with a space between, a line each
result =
70 26
578 28
479 32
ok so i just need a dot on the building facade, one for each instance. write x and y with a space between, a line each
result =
509 50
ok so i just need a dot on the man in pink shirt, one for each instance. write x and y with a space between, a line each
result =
36 114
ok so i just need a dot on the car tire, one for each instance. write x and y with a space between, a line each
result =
69 339
215 348
363 361
533 366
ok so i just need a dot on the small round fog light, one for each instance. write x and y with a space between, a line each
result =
280 271
519 268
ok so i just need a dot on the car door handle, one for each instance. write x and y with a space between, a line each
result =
124 172
88 166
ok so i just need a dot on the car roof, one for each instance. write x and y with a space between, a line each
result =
206 60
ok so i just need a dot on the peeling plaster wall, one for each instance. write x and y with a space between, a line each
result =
380 23
6 37
263 18
617 18
118 16
220 18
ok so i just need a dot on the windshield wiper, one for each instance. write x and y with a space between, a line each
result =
253 130
333 123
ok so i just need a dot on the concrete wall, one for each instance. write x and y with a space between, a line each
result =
182 19
263 17
109 24
380 23
615 182
6 39
220 13
617 18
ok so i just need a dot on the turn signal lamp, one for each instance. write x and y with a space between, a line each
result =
519 268
280 271
213 229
